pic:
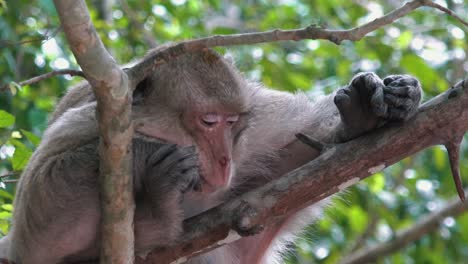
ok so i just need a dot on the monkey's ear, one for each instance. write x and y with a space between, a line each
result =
141 90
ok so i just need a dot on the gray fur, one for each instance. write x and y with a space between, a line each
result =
57 207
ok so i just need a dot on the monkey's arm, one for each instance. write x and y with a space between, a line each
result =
366 103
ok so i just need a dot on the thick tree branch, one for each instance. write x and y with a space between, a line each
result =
406 236
110 85
142 69
335 170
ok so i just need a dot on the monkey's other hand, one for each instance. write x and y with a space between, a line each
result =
368 102
174 168
402 94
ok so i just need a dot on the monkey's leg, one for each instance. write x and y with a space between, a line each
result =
58 207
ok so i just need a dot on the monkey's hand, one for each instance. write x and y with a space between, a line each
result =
368 102
171 171
166 171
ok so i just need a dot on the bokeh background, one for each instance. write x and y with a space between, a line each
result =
426 43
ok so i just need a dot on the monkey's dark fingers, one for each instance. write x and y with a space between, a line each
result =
377 101
369 85
403 103
186 156
191 180
365 80
398 90
389 79
401 80
397 114
158 156
342 98
408 91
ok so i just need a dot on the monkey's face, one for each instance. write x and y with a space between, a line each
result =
212 133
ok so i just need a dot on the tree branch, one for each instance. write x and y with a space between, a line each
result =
44 76
45 37
445 10
138 72
111 87
9 174
406 236
333 171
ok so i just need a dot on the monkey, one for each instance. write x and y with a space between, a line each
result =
203 133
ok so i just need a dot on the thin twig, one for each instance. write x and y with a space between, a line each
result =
10 181
44 76
44 38
9 174
406 236
445 10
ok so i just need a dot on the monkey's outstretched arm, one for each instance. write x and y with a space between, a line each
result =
366 103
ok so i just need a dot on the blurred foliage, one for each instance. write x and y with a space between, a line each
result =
427 44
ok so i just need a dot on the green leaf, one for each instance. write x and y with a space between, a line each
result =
6 194
4 226
439 158
463 227
377 182
5 215
415 65
358 219
6 119
3 4
21 156
404 40
35 140
7 207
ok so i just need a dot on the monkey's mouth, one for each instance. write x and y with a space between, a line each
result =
219 180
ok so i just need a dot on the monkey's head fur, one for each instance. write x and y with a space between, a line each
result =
208 98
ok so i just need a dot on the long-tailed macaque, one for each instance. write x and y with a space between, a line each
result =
203 133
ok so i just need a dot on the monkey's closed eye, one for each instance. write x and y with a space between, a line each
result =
231 120
208 123
210 120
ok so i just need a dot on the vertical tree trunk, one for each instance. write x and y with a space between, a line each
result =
111 87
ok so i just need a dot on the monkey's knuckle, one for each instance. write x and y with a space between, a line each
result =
389 79
341 98
365 75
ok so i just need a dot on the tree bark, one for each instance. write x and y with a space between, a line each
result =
111 87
